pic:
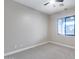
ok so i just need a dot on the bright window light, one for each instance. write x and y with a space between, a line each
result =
66 26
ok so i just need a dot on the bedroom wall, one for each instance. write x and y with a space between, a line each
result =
53 35
23 26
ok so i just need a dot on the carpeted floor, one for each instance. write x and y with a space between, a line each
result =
47 51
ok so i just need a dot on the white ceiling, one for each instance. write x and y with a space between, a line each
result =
49 9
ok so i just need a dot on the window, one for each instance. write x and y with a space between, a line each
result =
66 26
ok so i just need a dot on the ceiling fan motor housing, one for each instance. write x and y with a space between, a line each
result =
59 0
55 1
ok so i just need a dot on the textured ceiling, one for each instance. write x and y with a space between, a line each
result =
50 8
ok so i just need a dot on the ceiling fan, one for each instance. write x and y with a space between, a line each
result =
53 1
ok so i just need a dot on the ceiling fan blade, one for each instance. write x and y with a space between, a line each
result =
46 3
59 0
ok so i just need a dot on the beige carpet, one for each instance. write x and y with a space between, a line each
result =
47 51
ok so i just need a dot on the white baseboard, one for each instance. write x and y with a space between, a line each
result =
23 49
61 44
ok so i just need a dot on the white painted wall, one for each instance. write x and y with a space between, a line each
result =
23 26
53 35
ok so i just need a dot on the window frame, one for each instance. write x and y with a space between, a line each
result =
65 26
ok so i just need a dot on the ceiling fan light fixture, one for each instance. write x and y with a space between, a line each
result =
52 1
61 5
